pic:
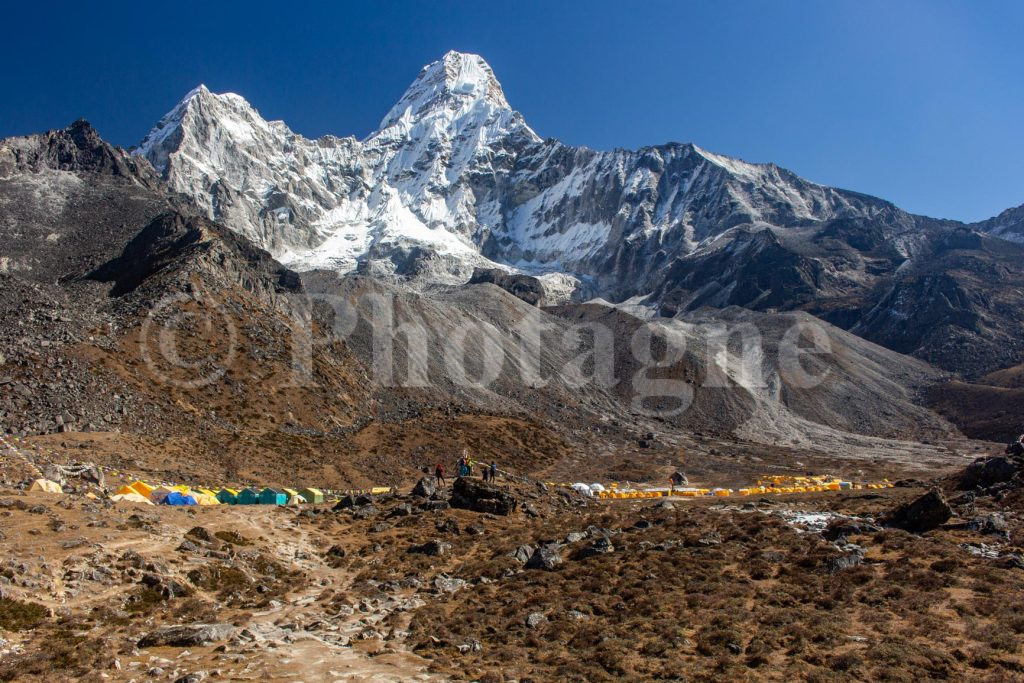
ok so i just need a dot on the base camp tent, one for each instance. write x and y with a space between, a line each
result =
46 486
296 500
269 496
204 498
580 487
227 496
312 495
130 498
248 497
158 494
178 498
142 488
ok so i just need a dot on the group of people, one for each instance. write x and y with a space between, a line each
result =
464 468
1017 447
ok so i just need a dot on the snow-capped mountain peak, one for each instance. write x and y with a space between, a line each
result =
455 178
457 82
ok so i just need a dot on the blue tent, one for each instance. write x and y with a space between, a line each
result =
178 498
269 496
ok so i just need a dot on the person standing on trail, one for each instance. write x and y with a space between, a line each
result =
439 474
494 471
485 473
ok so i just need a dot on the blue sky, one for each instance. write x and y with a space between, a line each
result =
918 102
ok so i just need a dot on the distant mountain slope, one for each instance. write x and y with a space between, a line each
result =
454 179
1008 225
96 247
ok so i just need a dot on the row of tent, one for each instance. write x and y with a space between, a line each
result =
767 486
141 492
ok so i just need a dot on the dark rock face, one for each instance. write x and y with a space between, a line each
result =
985 472
194 635
470 494
76 148
523 287
923 514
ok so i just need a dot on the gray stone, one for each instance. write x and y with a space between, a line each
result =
433 548
535 619
545 557
192 635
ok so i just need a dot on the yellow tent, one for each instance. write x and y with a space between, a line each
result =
46 486
132 497
142 488
204 498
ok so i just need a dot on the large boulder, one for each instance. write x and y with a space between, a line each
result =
425 487
433 548
475 495
922 514
193 635
545 557
985 472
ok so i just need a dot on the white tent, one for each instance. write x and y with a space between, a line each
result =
131 498
46 486
597 488
582 488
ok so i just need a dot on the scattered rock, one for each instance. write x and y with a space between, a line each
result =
545 557
986 472
601 546
194 635
201 534
535 619
425 487
471 494
433 548
522 554
447 584
838 563
364 511
403 510
994 523
449 526
844 528
918 516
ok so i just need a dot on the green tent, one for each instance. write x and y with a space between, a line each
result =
269 496
227 496
248 497
312 495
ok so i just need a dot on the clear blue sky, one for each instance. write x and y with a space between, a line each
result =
921 103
